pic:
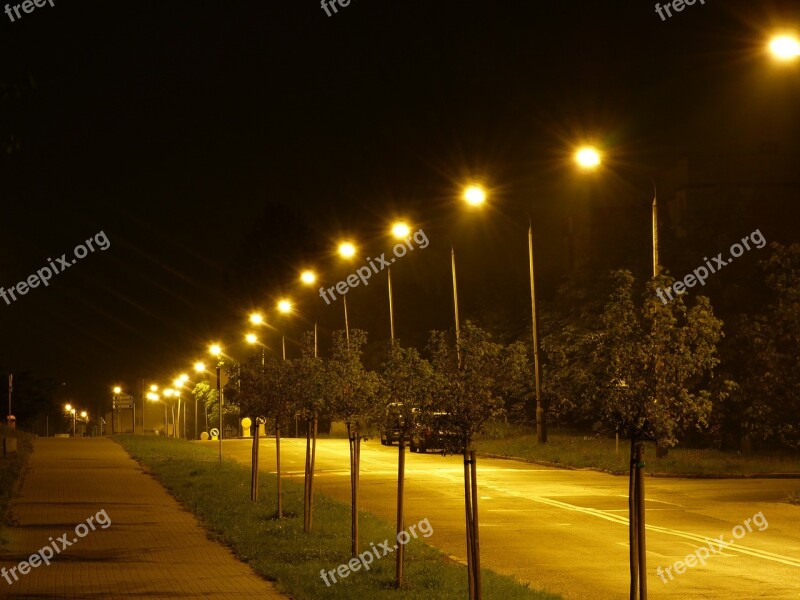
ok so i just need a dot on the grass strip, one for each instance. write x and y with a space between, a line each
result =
219 495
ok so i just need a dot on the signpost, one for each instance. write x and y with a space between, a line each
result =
125 402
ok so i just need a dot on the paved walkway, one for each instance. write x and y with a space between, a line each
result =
151 549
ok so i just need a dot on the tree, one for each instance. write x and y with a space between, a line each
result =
406 386
352 391
656 359
466 391
309 385
768 346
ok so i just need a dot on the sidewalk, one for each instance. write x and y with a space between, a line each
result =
151 549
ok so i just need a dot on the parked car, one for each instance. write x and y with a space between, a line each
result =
393 424
435 434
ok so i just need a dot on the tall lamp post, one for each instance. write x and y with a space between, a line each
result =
216 351
347 250
400 231
199 367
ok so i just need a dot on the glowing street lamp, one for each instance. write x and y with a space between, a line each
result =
785 47
257 318
347 251
199 367
588 157
308 277
474 195
400 231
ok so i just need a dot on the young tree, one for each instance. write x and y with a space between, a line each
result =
352 393
656 359
309 386
466 392
275 386
406 386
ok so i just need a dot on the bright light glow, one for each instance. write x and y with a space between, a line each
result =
785 47
117 389
400 230
587 157
215 349
183 377
285 306
72 411
251 338
199 366
474 195
308 277
256 318
83 414
177 382
154 388
347 250
68 407
169 392
152 396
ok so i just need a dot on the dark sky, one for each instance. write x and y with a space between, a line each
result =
219 145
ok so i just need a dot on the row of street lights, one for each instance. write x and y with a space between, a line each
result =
783 47
73 412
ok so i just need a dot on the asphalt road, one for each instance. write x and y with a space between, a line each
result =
566 531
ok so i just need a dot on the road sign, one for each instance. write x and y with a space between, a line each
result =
123 401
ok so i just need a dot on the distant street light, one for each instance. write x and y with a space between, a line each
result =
308 277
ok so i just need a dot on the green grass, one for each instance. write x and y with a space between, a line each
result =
10 469
279 550
593 451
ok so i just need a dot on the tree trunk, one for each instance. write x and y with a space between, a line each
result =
640 522
311 475
401 475
278 465
469 515
632 529
306 482
476 547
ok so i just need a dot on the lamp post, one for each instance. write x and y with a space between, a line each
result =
199 367
216 351
400 231
347 250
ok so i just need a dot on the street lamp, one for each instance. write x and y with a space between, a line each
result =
216 351
252 339
199 367
785 47
474 195
347 250
400 231
588 157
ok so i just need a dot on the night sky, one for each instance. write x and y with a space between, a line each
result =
222 146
